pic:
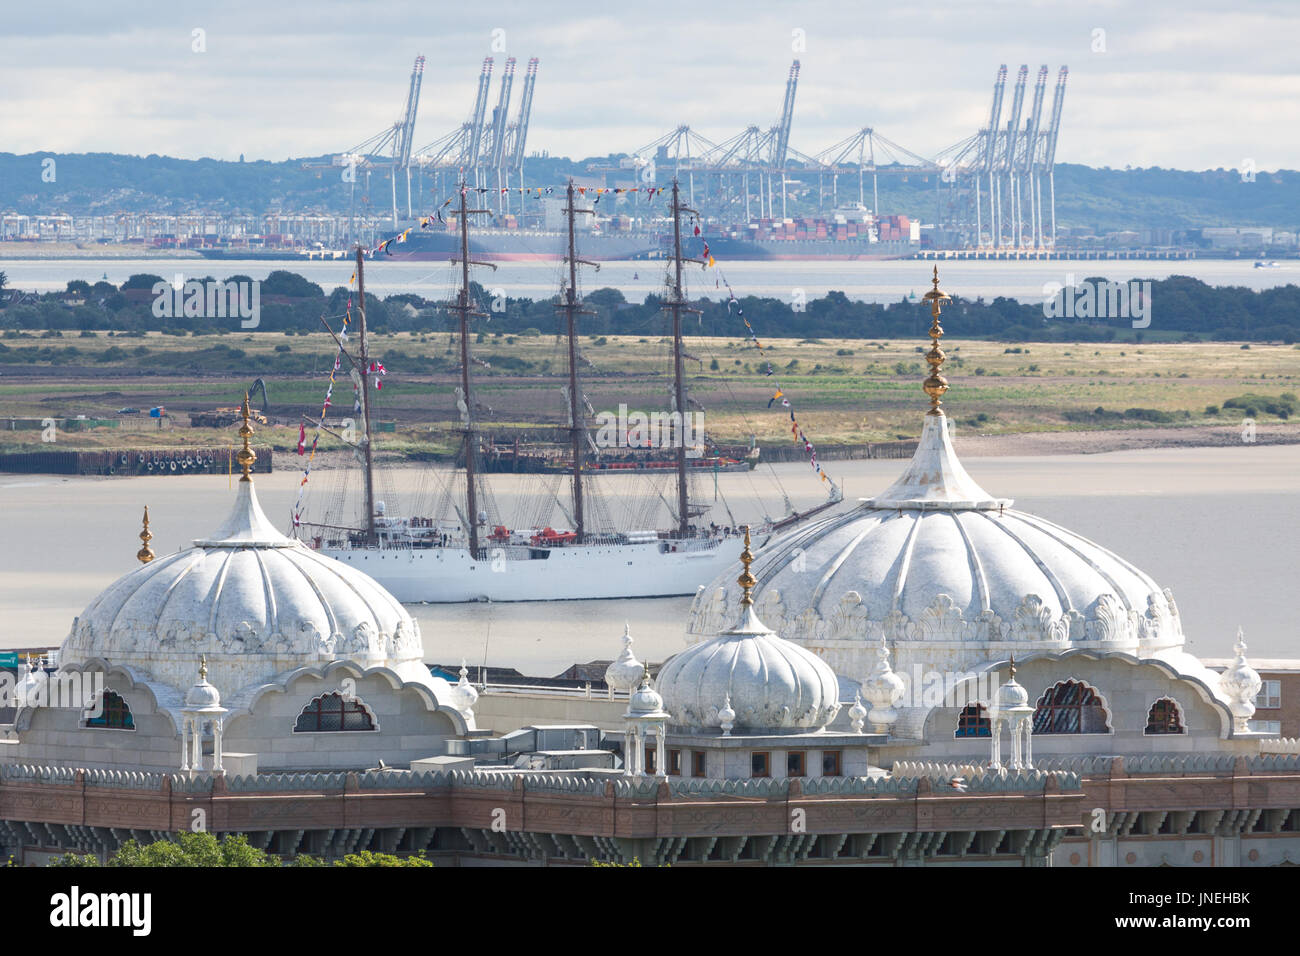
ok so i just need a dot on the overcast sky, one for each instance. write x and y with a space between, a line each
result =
1179 83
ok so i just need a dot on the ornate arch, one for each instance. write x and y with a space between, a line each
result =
335 712
1165 716
1071 707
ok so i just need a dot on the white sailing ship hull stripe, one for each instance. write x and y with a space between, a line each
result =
449 576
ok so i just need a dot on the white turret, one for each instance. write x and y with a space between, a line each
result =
625 671
883 689
1241 683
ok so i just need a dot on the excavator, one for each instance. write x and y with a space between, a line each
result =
225 417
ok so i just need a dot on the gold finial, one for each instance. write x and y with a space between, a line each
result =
245 457
936 384
203 667
746 580
145 554
1013 666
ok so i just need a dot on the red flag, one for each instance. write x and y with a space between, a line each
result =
302 440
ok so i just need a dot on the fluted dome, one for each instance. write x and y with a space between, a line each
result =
1011 696
625 670
254 601
645 700
773 685
202 695
936 559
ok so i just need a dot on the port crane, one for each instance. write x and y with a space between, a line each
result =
390 147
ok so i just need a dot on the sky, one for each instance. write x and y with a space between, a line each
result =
1175 83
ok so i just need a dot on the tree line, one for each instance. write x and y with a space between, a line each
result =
1181 308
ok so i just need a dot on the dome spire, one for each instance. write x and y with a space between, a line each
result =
145 554
246 456
746 579
936 384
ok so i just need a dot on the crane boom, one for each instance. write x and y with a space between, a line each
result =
1035 118
470 157
1054 127
496 149
525 113
402 148
1013 121
782 140
995 117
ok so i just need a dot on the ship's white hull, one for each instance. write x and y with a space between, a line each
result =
449 576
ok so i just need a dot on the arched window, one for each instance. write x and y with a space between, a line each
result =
973 721
333 712
1070 707
114 714
1164 717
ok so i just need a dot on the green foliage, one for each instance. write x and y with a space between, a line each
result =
193 849
141 280
282 282
1251 405
1186 309
75 859
368 858
204 849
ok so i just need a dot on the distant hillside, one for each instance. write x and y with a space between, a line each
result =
1102 200
101 183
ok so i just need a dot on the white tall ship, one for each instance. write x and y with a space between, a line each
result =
432 560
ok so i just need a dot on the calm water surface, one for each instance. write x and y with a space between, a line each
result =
1217 526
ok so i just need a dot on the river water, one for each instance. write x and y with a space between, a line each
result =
1216 525
873 281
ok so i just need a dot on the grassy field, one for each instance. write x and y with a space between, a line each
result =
845 391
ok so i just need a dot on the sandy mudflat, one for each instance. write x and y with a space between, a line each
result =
974 445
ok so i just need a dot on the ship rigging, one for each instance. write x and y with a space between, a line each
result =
427 559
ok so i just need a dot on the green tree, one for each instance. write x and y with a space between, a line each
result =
141 280
368 858
193 849
204 849
75 859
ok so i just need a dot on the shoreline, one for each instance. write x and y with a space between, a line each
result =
1041 444
1103 441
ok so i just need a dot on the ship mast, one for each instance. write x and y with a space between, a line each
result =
464 308
677 306
571 307
371 537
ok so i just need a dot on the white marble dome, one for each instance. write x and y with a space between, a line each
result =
1011 696
948 575
773 685
255 602
202 695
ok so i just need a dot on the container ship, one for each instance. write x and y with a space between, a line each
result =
846 235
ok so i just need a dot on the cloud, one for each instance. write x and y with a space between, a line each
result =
1184 84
